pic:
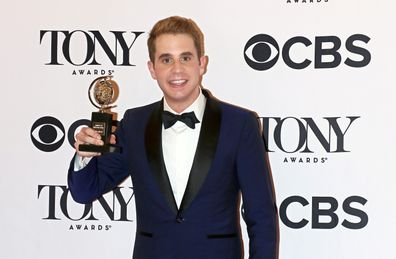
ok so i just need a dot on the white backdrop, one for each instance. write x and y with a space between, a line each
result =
39 219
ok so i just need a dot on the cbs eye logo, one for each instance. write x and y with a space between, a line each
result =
48 133
261 52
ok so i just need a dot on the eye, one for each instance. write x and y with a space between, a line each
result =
166 61
261 52
47 134
185 59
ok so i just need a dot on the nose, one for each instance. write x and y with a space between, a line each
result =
177 66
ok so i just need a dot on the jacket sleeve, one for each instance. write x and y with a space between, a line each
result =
101 174
259 208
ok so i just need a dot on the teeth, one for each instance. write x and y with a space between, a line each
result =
178 82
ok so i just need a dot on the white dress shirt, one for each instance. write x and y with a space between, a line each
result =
179 144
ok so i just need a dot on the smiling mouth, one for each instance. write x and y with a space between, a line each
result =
179 82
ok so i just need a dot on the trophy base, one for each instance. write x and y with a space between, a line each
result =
99 149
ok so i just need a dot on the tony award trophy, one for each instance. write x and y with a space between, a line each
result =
102 93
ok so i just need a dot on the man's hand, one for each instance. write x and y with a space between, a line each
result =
90 136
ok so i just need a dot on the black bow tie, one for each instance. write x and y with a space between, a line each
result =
188 118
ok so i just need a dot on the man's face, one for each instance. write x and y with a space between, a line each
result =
177 69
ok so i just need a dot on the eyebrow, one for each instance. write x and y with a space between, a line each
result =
187 53
167 55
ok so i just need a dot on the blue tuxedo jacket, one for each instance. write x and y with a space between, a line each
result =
230 158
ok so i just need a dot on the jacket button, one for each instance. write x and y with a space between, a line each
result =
179 219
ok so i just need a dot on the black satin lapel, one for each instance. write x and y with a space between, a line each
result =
153 142
205 153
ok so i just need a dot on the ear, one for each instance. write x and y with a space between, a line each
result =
203 64
151 68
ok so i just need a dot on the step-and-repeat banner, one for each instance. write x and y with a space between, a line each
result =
319 73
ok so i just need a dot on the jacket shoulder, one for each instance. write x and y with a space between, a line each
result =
145 110
235 112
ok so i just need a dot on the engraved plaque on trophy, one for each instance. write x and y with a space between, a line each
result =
102 93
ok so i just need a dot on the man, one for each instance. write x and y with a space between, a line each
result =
187 170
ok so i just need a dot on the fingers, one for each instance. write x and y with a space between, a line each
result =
87 136
112 139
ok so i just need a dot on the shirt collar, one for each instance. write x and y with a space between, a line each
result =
198 106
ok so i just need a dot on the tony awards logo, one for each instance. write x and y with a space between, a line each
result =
102 93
